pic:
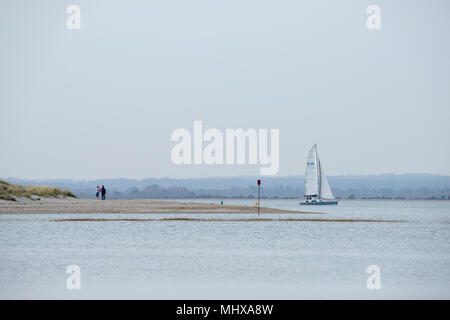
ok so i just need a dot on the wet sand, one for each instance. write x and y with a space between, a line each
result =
71 205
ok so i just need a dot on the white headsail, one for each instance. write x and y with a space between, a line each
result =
325 190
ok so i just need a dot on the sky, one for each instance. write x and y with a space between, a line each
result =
103 101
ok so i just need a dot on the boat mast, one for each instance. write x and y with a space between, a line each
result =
318 174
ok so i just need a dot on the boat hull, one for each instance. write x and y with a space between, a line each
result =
319 203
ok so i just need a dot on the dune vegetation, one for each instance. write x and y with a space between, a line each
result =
11 192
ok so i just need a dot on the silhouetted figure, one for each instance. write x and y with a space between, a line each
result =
103 192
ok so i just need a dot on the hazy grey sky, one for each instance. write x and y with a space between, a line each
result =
102 101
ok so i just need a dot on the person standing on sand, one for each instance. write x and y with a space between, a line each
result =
98 192
103 192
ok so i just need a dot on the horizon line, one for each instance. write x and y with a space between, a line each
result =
226 177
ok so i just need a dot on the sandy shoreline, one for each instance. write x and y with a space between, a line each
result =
221 220
71 205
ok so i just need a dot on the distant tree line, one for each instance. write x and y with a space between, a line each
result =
281 192
384 186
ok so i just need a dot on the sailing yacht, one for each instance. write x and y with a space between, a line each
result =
317 189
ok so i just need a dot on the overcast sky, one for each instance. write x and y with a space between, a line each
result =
103 101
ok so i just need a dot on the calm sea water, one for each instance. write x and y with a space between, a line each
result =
207 260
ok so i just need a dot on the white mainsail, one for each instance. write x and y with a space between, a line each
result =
312 174
316 183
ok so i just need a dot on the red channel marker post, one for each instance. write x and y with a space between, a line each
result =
259 193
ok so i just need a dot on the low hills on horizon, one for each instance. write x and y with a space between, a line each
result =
383 186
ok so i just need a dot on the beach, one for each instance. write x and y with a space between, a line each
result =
74 205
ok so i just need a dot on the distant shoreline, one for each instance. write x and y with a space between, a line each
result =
348 187
301 199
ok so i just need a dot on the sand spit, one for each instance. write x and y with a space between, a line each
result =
70 205
222 220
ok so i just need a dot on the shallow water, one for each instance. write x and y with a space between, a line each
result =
232 259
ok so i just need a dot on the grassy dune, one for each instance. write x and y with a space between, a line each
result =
9 191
